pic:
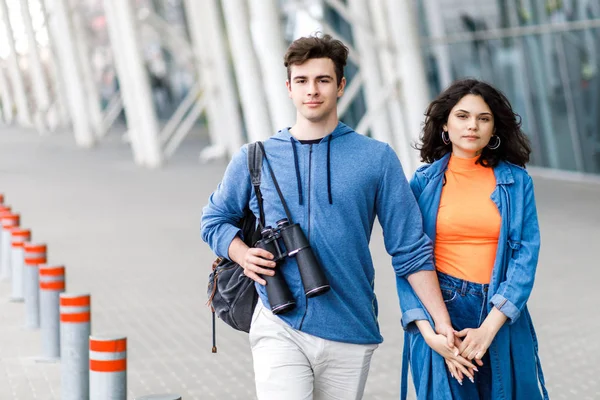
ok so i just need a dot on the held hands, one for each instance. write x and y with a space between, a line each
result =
458 366
475 343
446 330
447 347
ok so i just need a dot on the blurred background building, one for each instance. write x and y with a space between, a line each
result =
162 74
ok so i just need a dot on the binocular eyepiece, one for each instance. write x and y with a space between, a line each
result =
288 240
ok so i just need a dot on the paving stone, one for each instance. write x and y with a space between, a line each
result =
130 237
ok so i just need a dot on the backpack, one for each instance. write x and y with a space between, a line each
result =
231 294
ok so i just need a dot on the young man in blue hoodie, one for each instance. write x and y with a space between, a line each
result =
335 183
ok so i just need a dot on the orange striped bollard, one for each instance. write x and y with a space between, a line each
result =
75 330
108 368
4 211
52 284
19 237
7 220
35 254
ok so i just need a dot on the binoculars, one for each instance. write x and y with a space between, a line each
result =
288 240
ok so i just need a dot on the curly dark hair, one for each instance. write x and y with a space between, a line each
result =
317 46
514 145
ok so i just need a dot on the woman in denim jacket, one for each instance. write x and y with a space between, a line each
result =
479 209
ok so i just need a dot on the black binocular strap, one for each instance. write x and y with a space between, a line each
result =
285 207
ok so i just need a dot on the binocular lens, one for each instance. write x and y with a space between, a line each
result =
278 292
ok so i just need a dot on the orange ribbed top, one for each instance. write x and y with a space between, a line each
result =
468 222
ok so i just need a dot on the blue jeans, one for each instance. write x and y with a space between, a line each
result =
467 305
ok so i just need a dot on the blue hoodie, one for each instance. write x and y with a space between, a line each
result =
334 190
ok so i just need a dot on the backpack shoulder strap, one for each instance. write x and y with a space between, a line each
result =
255 161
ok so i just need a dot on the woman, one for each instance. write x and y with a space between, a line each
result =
479 209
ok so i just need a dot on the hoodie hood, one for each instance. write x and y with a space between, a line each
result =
284 134
340 129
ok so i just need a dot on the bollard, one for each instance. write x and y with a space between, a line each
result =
19 237
75 330
167 396
8 220
52 284
108 368
4 210
35 254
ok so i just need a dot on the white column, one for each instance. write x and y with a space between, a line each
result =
89 84
129 102
59 22
224 119
60 113
247 70
390 78
38 76
134 83
308 17
270 48
369 66
435 22
5 97
14 70
414 91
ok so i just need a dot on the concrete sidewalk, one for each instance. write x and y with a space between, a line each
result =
130 237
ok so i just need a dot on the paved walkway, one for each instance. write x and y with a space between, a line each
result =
130 237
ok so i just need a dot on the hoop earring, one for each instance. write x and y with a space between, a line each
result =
495 145
445 138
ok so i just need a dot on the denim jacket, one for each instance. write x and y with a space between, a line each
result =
514 351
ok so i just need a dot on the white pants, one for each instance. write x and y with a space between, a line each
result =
293 365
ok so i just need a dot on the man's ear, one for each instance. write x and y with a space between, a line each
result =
341 87
288 85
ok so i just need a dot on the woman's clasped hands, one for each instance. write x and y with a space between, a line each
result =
457 355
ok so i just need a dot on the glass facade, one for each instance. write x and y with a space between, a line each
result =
542 53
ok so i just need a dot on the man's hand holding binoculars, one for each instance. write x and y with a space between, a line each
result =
255 261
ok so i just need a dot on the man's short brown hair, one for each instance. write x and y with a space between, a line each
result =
324 46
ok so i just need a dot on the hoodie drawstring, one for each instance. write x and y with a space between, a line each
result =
329 169
299 179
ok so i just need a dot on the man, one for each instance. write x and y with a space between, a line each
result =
335 183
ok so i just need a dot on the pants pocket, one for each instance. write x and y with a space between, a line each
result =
449 295
255 322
